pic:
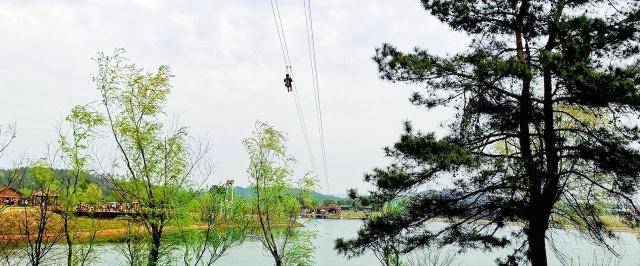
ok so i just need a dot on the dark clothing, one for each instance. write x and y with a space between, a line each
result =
287 83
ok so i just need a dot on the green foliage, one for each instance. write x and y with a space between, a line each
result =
43 175
275 207
82 123
326 202
540 134
26 192
365 200
352 193
26 180
388 248
228 224
92 195
300 253
135 248
158 162
37 220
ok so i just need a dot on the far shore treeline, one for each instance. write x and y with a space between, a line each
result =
28 182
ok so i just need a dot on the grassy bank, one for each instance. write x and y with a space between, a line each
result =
16 221
106 230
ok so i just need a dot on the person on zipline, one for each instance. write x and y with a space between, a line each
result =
287 82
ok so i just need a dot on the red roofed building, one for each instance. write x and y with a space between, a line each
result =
10 196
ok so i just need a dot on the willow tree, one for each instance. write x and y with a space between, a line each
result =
545 100
74 145
227 224
158 161
276 203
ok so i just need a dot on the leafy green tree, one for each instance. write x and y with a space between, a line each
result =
352 193
365 201
37 226
92 195
520 148
327 202
307 201
228 224
274 203
82 123
158 162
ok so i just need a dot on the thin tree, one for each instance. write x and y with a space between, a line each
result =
82 122
7 136
39 228
135 245
8 178
86 253
158 162
275 205
11 177
10 247
521 147
228 224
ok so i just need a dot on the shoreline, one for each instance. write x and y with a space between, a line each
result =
116 230
615 225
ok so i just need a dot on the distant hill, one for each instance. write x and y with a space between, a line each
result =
246 192
28 182
27 178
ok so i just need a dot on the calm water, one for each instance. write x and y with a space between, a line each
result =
581 251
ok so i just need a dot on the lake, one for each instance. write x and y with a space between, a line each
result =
577 250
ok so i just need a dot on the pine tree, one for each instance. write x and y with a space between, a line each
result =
545 132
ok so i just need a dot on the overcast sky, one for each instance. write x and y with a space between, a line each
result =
228 72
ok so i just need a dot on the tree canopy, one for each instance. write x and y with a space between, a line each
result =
545 130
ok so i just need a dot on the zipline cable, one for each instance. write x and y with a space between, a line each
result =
304 128
316 87
281 37
289 70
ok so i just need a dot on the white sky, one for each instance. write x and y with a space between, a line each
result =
228 72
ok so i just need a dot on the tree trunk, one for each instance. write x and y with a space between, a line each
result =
537 248
67 236
156 237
